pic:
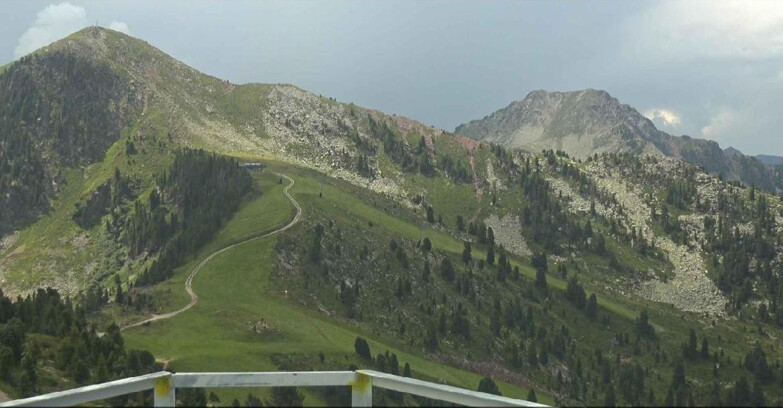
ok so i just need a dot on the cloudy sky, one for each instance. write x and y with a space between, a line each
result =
705 69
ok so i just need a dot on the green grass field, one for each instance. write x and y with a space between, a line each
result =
235 288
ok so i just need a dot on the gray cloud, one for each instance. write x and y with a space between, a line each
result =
721 61
714 65
699 29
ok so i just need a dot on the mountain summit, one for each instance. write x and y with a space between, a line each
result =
581 123
587 122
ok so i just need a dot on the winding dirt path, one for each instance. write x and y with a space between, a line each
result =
189 281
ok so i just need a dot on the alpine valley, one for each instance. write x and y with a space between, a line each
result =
561 249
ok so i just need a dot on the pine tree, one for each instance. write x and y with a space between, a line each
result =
426 245
690 349
447 269
714 397
28 381
532 356
757 398
81 373
541 279
643 326
705 348
591 309
192 397
741 393
119 296
362 348
609 398
425 273
669 398
7 361
286 397
431 339
466 256
488 385
678 376
531 396
490 256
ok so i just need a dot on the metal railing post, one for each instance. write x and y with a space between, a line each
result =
164 392
361 391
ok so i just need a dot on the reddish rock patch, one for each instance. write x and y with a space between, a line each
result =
469 144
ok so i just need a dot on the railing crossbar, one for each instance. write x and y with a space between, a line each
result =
442 392
281 379
89 393
361 382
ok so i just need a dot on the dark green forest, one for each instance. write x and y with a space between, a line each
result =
46 343
57 109
190 203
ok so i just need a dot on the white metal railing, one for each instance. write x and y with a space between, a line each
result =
361 382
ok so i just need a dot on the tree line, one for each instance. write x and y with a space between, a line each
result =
189 204
43 332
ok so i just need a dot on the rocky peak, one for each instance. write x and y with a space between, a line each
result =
580 122
731 151
583 123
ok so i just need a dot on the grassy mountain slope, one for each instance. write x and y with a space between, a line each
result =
236 292
462 258
278 296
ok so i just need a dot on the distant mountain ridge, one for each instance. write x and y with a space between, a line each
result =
732 151
587 122
770 160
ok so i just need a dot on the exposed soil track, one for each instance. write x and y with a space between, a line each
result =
189 281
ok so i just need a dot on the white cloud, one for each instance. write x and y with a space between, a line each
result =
52 23
689 30
119 26
667 117
721 123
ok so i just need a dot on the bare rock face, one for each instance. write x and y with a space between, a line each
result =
583 123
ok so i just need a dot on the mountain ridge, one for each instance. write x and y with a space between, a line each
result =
515 266
770 160
170 106
588 122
